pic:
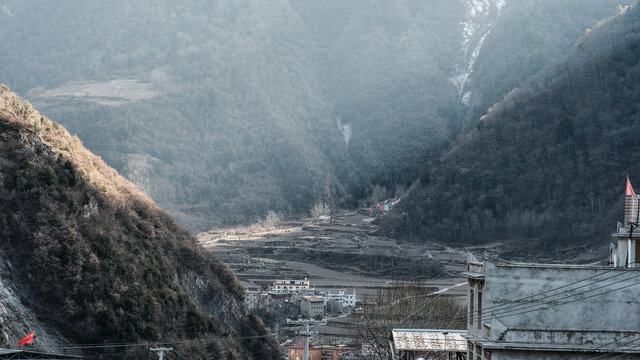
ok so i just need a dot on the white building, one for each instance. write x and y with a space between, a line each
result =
348 300
287 286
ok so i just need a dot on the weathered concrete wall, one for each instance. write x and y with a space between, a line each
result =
614 308
615 339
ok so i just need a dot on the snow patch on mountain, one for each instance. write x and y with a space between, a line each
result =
479 18
345 130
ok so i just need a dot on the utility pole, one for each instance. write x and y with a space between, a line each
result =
306 332
160 351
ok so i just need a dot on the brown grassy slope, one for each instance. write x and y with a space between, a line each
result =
102 262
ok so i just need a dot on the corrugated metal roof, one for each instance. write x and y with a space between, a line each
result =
430 340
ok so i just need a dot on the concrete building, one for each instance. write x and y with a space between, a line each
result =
348 299
544 311
336 307
338 352
311 307
296 352
288 286
539 311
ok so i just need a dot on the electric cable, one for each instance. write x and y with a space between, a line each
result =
614 352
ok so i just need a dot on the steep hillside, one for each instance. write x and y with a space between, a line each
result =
545 168
99 262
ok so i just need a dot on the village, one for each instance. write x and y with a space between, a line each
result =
503 309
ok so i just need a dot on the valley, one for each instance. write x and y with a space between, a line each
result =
343 252
497 131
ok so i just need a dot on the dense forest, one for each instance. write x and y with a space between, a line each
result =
224 110
545 168
100 262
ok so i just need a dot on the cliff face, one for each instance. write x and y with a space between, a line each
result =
98 261
16 319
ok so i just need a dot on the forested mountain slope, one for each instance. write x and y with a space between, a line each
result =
527 36
223 110
545 168
212 108
98 261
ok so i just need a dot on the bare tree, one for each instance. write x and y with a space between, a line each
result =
404 306
271 221
319 210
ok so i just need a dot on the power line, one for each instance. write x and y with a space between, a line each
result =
551 303
611 343
178 355
517 305
620 269
518 310
178 342
620 349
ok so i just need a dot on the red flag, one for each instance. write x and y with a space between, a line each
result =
629 188
27 339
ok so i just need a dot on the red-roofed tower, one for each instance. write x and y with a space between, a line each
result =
628 234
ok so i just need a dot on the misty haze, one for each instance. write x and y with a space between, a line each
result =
334 179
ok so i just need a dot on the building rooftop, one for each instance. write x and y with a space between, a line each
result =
312 299
430 340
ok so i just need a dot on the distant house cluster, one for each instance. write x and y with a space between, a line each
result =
300 298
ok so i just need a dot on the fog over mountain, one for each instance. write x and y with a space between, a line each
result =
224 110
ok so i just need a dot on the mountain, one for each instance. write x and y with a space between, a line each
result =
95 261
212 108
523 39
223 110
544 169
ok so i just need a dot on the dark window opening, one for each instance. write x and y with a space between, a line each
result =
471 300
479 309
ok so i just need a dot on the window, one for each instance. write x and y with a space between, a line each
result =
471 300
479 309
